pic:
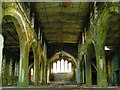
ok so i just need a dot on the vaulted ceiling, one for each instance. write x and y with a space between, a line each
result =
62 21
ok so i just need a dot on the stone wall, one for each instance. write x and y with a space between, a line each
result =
115 65
62 76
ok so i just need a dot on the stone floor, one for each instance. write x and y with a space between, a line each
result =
61 86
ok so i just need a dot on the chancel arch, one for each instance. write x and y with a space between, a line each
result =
62 66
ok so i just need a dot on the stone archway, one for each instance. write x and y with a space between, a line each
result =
61 74
31 66
99 39
11 49
64 53
111 48
19 23
36 63
43 68
90 65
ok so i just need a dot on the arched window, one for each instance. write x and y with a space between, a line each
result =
54 67
70 67
58 66
66 66
62 65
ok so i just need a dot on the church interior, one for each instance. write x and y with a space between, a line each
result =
60 45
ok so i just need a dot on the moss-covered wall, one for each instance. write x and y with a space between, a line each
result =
115 69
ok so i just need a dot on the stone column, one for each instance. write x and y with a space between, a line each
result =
10 78
101 66
74 72
88 70
82 75
15 73
3 70
79 65
23 68
48 72
6 74
36 66
51 71
1 55
78 72
42 72
45 71
50 66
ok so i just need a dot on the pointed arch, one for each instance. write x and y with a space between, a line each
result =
63 53
17 20
100 39
24 42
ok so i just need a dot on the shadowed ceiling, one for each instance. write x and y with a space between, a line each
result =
62 21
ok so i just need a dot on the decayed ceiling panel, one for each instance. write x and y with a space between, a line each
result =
62 21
